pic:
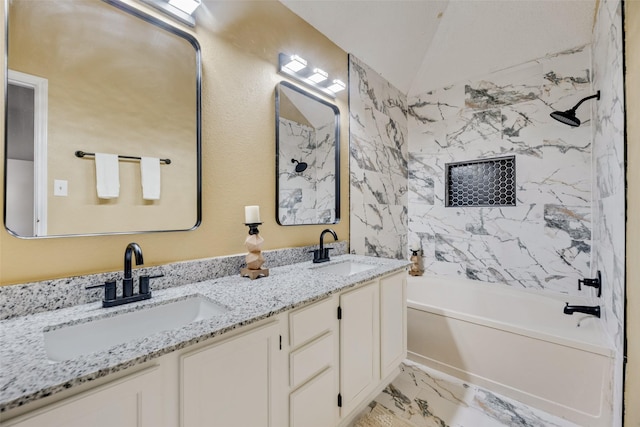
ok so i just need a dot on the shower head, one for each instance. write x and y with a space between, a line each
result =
300 167
569 117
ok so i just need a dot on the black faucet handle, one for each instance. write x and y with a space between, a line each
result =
144 283
326 252
109 289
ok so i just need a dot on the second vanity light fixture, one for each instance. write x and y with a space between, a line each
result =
182 10
297 68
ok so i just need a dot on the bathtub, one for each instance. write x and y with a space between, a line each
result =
514 342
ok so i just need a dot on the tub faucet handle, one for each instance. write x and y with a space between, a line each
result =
594 283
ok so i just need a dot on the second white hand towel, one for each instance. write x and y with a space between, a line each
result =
107 176
150 177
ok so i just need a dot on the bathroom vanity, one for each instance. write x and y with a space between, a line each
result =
307 346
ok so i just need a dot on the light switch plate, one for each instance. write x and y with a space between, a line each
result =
59 187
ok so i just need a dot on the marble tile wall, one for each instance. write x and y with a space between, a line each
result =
306 197
609 185
542 243
377 164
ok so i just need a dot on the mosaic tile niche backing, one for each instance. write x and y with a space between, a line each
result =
489 182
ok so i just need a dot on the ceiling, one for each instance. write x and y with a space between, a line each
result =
419 45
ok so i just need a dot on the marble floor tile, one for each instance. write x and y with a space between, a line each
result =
422 397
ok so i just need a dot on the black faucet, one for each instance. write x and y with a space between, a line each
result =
110 297
127 282
586 309
322 254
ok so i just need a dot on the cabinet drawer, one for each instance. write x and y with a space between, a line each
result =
311 322
311 359
314 404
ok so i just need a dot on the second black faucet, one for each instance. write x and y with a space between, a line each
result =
322 254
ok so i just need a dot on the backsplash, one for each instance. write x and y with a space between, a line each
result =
377 164
29 298
544 242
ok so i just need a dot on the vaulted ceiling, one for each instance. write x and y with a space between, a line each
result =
419 45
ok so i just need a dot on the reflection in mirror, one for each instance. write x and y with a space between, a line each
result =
88 76
308 158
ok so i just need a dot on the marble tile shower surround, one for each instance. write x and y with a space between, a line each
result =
307 197
609 186
545 241
377 164
36 297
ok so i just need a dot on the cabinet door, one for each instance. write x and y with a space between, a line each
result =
359 345
232 383
315 403
129 402
393 323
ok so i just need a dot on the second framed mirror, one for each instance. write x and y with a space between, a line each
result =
307 158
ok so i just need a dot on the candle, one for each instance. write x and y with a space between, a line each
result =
251 214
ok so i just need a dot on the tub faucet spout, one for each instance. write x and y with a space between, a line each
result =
586 309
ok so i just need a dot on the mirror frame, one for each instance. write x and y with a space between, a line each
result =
198 56
336 112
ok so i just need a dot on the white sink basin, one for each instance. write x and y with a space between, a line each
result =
69 342
345 268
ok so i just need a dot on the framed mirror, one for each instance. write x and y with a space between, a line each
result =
87 77
307 158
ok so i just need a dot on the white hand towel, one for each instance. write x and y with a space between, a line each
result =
107 176
150 177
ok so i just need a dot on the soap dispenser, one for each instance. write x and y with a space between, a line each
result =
416 268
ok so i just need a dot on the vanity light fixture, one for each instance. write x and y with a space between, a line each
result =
337 86
318 75
187 6
296 67
180 10
295 64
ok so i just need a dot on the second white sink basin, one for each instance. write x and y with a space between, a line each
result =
345 268
71 341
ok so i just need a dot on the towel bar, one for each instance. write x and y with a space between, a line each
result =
80 153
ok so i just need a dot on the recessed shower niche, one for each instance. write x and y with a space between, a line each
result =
487 182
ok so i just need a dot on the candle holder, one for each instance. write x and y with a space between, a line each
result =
416 268
254 258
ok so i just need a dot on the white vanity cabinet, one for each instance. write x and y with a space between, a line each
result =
313 365
359 345
393 322
132 401
373 340
233 382
344 350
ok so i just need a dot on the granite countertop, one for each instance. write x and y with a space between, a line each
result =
27 374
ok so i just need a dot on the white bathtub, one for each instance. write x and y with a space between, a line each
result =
517 343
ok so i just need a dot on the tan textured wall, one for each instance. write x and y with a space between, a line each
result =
632 95
240 43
